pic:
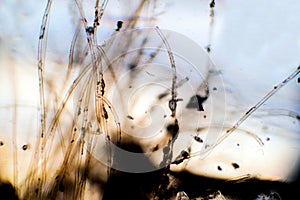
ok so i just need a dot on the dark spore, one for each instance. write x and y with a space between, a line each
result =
219 168
72 141
238 144
268 139
198 139
25 147
75 129
212 4
130 117
90 30
215 89
275 87
119 25
204 116
165 116
298 80
235 165
1 143
208 49
196 102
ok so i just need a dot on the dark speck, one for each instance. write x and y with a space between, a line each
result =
165 116
215 89
208 49
1 143
268 139
298 80
130 117
132 66
219 168
204 116
238 144
198 139
119 25
235 165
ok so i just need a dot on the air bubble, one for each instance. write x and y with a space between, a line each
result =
25 147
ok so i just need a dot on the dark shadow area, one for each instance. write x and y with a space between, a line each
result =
7 192
145 185
195 186
125 185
